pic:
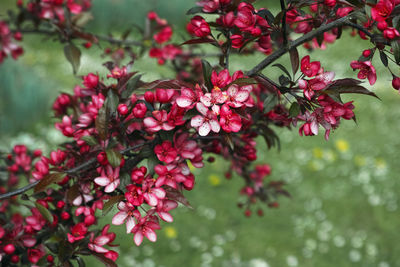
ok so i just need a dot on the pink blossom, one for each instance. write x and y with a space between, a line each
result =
367 70
206 122
127 213
166 152
145 227
109 178
159 122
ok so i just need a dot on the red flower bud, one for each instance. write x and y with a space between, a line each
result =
396 82
122 109
149 97
15 258
87 45
60 204
65 215
90 80
9 249
198 27
50 258
366 52
382 25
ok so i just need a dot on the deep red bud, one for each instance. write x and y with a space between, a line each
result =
396 82
65 215
9 249
18 36
122 109
247 213
50 258
15 258
366 52
382 25
89 220
260 212
60 204
102 158
149 97
87 45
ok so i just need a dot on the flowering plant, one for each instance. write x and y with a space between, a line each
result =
133 143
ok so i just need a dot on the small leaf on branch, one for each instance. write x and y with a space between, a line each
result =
384 58
207 70
89 139
102 123
294 110
49 179
111 202
45 212
347 86
266 14
396 51
270 102
111 101
163 84
282 68
73 55
194 10
177 195
73 193
294 60
131 86
114 157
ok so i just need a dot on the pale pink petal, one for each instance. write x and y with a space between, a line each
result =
183 102
204 129
151 235
111 187
102 181
159 192
102 240
130 223
197 121
202 108
215 127
150 122
314 127
119 218
206 99
169 205
151 199
138 238
165 216
242 96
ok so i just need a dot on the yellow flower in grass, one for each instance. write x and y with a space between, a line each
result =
342 145
170 232
360 160
318 153
380 163
214 180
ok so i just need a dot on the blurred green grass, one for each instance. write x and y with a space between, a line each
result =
344 206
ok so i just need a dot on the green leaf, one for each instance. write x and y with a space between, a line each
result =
194 10
294 110
111 202
102 123
114 157
45 212
111 101
384 58
152 161
49 179
270 102
131 86
396 51
90 140
207 70
283 68
73 55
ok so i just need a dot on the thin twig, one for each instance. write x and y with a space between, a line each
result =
18 191
305 38
70 171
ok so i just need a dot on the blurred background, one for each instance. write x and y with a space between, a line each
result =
345 192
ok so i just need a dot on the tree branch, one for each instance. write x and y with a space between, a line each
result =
305 38
70 171
18 191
